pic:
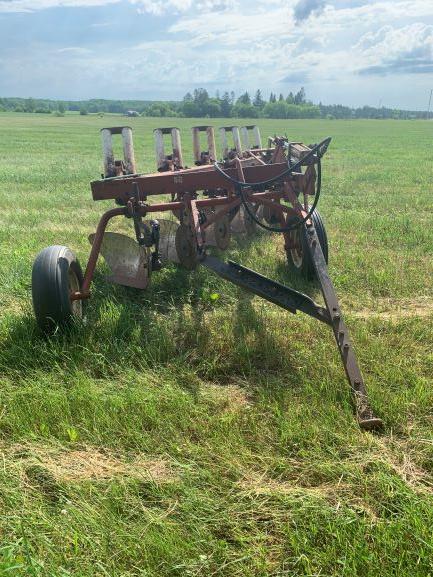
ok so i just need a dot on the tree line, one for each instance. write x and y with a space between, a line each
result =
199 104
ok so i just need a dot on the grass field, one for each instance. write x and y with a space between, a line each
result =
175 435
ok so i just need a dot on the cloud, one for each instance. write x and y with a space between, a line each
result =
32 6
298 77
402 66
156 7
304 8
74 50
160 7
405 50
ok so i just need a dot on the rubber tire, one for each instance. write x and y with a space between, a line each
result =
307 267
51 290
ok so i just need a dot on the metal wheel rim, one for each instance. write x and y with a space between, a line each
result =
74 286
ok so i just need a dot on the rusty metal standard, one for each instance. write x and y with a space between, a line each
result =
276 187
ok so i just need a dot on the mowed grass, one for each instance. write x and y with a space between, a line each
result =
177 435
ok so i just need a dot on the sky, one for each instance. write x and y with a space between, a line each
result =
348 52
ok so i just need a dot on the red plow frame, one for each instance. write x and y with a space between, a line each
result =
270 186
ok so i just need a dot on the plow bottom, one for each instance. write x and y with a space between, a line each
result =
130 263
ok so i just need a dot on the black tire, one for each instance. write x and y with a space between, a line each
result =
56 273
299 259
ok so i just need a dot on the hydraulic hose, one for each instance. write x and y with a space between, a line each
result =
318 150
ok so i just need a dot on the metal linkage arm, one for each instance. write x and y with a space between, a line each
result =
266 288
364 412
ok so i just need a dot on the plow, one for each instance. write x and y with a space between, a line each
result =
245 187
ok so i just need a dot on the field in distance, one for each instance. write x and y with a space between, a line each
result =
179 433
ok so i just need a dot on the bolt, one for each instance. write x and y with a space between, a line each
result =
345 346
337 317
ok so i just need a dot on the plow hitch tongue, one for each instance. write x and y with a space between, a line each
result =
293 301
239 188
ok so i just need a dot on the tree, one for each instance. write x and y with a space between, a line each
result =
272 97
225 105
200 95
159 109
290 98
244 99
212 108
30 105
241 110
61 107
190 109
258 100
276 109
300 96
282 109
281 98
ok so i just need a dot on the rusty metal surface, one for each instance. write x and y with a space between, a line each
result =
208 156
209 207
113 167
186 248
222 232
268 289
365 415
187 180
96 247
174 160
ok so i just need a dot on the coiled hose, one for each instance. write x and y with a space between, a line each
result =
319 150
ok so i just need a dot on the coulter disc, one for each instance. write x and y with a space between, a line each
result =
222 232
186 247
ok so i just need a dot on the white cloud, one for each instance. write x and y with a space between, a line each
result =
157 7
74 50
34 5
305 8
389 50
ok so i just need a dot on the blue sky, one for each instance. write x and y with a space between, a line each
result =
350 52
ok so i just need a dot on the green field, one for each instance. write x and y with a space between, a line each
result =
177 435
